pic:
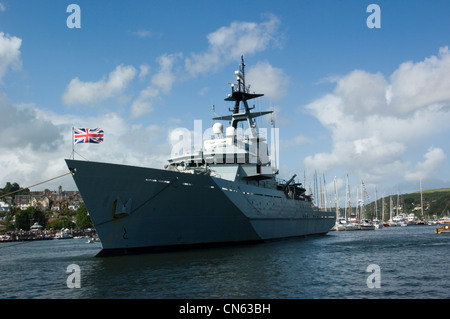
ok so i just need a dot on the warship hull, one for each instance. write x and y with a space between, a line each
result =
137 209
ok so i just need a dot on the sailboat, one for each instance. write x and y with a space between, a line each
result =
349 226
365 224
338 226
422 220
385 224
376 222
391 221
399 218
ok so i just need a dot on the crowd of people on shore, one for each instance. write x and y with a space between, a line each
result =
25 235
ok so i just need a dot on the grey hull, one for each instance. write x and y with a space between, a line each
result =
137 209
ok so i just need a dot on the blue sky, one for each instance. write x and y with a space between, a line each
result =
369 102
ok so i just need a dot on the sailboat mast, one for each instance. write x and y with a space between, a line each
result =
336 199
421 198
321 195
358 209
346 200
390 208
376 207
350 201
363 215
325 186
316 189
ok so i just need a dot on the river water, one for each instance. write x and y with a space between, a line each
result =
404 262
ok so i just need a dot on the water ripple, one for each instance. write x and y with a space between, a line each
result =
413 263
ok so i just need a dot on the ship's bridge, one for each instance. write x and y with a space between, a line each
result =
238 147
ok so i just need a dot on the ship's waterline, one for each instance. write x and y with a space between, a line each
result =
176 210
226 192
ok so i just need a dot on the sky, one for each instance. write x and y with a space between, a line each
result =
348 98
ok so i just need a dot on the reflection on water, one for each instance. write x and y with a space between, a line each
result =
413 263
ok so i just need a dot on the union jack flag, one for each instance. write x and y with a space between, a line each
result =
86 135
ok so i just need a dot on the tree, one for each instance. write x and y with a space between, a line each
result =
66 212
37 216
9 188
83 219
26 218
60 223
22 220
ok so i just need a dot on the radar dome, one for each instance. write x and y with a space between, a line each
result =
218 128
231 132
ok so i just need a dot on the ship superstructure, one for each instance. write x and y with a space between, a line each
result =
225 192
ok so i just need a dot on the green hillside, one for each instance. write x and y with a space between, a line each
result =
439 190
436 203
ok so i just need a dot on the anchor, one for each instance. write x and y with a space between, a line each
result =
121 209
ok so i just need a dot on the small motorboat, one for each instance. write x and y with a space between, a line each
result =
92 240
443 230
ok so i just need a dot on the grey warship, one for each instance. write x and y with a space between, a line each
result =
224 193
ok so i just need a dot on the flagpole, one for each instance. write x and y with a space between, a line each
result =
73 145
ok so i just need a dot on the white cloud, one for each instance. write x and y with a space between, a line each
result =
203 91
164 79
29 144
225 45
362 94
293 142
91 92
29 163
265 78
160 82
142 33
276 117
2 7
230 42
9 53
143 70
374 124
28 157
144 102
434 160
23 127
416 85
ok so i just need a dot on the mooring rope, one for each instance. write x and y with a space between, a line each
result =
48 180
